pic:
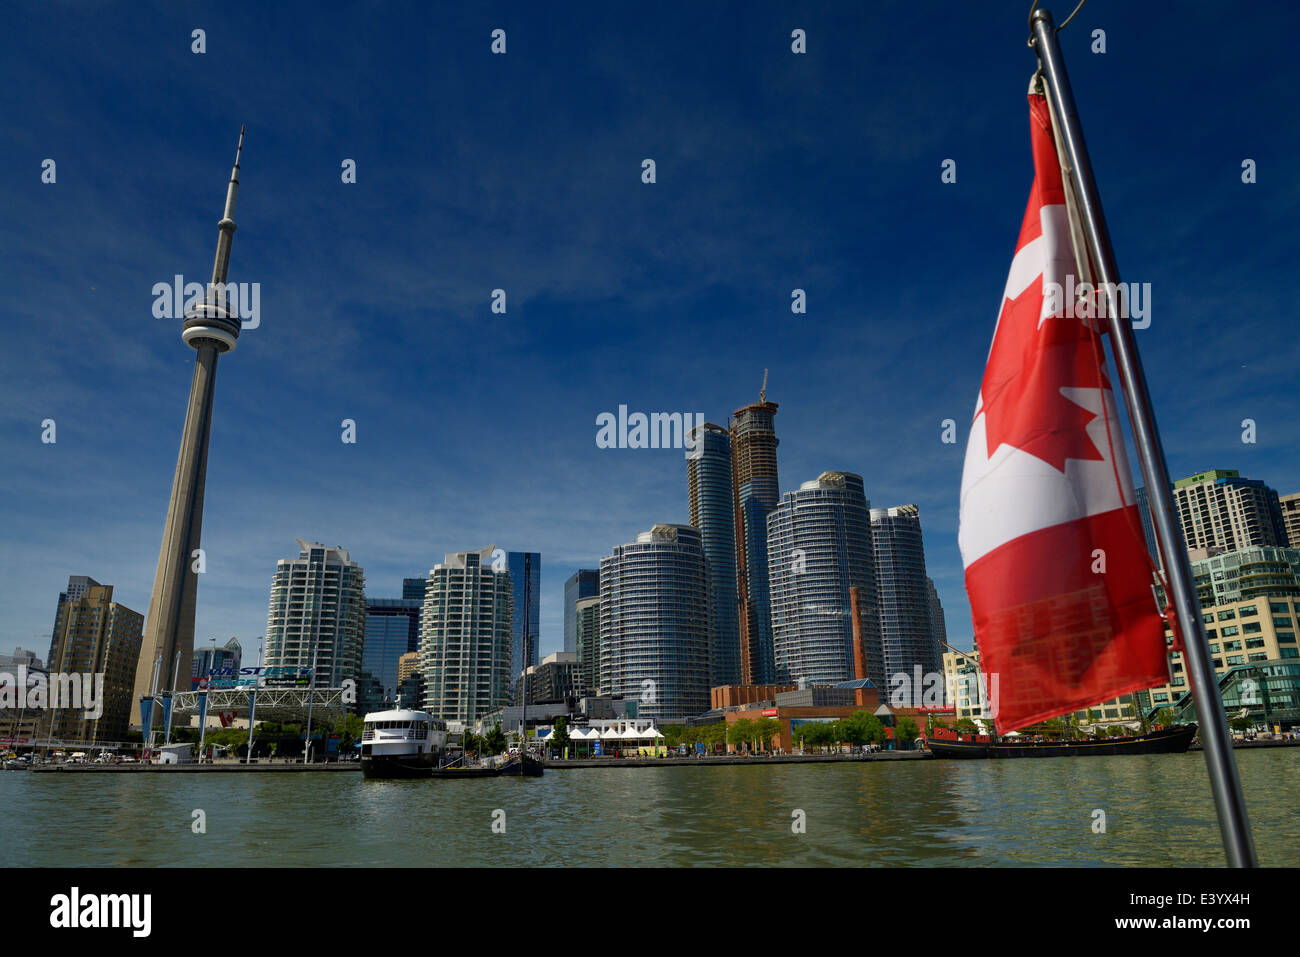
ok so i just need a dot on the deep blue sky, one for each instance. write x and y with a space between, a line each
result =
522 171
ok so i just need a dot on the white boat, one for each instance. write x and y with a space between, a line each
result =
402 744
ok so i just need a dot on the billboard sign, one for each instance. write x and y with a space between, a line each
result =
277 677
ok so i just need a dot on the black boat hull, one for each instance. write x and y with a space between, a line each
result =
385 766
1166 741
524 766
458 772
397 765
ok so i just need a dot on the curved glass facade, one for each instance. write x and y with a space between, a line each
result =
818 547
906 632
712 512
654 623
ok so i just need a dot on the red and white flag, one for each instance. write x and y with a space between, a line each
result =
1056 565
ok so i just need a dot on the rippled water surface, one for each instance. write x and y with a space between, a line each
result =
981 813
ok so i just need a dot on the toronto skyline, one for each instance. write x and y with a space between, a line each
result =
754 438
524 173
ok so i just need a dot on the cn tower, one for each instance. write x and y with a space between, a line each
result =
210 329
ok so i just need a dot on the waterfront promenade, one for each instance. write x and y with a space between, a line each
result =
551 764
561 764
215 767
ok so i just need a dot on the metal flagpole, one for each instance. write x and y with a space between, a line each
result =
311 694
203 721
1234 825
170 696
252 711
153 699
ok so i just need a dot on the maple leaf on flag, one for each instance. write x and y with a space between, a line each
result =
1029 363
1058 636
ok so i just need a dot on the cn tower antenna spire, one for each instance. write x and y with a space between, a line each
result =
221 265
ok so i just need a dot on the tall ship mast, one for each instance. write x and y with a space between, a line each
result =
525 765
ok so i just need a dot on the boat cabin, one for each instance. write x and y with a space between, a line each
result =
402 731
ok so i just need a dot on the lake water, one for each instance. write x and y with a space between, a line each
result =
1158 812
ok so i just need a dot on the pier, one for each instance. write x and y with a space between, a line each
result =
735 759
207 768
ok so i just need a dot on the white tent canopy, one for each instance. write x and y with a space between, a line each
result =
645 734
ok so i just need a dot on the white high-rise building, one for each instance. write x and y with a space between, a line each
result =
466 635
818 547
318 612
654 628
907 631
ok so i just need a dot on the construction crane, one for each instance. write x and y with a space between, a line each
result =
762 393
965 654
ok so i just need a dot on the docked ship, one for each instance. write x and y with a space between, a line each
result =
522 765
514 766
402 744
950 744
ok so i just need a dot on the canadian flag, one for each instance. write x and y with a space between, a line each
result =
1056 565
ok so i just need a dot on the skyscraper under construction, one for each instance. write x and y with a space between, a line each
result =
756 492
